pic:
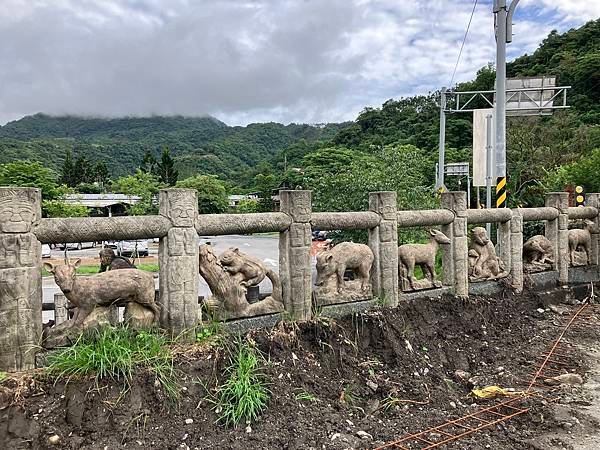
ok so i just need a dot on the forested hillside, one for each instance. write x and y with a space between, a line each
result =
200 145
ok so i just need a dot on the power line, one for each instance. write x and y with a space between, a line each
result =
463 44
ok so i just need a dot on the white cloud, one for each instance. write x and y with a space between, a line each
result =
245 61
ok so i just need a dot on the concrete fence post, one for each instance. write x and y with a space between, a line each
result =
557 231
20 278
294 254
504 232
516 250
457 202
593 199
61 312
178 261
383 241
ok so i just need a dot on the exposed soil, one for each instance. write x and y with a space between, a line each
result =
385 373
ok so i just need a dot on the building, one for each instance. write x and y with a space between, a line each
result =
103 205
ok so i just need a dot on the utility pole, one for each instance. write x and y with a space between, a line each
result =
503 23
442 144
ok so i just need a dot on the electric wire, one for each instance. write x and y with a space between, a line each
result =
463 44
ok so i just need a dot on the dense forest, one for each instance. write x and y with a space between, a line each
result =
393 147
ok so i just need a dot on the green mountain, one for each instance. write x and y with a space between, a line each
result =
200 144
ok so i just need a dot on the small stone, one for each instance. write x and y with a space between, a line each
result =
373 386
565 378
462 375
541 310
189 421
54 439
335 436
453 404
499 369
248 429
364 435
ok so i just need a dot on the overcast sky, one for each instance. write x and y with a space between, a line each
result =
248 61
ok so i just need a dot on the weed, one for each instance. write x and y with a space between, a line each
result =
350 397
244 394
2 376
304 396
209 331
114 353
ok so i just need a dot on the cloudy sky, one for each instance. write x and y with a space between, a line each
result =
249 60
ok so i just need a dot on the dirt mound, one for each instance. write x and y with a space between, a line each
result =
351 383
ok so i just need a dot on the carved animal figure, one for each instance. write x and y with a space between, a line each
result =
482 254
582 238
346 255
115 287
110 261
248 270
423 255
538 250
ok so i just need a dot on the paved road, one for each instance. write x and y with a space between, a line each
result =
265 248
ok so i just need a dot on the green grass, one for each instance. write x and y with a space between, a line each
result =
209 331
244 395
304 396
90 270
116 353
2 376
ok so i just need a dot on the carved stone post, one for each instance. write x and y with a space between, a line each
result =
20 278
557 231
61 312
178 260
383 240
593 199
457 202
516 249
294 254
504 232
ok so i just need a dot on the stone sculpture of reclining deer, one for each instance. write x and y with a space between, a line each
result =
115 287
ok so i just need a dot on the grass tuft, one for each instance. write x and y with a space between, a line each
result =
244 394
115 353
208 331
304 396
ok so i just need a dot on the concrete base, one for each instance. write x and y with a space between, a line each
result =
425 294
542 280
584 274
488 287
250 323
344 309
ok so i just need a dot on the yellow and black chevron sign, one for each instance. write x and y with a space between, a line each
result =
501 192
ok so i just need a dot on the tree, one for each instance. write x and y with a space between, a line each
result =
264 185
26 173
212 193
583 172
165 168
247 206
101 173
142 184
148 163
67 174
58 208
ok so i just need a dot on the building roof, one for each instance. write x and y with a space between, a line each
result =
100 200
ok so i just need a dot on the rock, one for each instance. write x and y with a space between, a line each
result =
541 310
565 378
372 385
461 375
364 435
189 421
453 404
54 439
372 405
499 369
248 429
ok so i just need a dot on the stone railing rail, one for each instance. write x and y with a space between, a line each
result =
178 225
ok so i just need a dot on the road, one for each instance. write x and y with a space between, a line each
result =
265 248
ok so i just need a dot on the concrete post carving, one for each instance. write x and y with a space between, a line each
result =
294 254
593 199
383 241
178 260
557 232
504 232
457 202
516 250
20 278
61 312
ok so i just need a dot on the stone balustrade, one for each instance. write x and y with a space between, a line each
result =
178 225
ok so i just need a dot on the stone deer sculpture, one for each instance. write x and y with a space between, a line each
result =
423 255
115 287
484 264
345 255
582 238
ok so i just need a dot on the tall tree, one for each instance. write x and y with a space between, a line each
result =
148 163
101 174
29 174
67 174
82 170
165 168
212 193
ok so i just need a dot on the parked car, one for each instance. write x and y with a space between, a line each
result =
319 235
77 245
46 252
132 248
